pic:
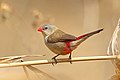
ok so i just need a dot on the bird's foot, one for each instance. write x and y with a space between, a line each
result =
70 59
54 58
55 61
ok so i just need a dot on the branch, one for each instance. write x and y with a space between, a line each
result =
41 62
12 58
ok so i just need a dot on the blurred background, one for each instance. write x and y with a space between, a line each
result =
18 35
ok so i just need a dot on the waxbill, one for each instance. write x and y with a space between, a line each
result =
60 42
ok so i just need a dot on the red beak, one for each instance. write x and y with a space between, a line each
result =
40 29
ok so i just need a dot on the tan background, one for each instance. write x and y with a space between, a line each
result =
17 36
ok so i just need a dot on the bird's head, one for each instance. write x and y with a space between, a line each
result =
47 29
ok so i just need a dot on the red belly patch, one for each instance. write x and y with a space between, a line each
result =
67 49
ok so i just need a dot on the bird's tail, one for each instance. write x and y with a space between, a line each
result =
83 37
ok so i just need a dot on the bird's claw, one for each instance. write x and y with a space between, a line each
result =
54 58
70 62
55 61
70 59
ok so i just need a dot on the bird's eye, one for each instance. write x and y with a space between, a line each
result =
46 27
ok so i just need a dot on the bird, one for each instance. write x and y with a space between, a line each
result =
60 42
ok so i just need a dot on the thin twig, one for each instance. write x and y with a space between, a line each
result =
76 59
12 58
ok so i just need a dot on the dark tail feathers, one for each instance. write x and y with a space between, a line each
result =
85 36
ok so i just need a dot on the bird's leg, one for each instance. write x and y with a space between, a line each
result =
70 58
54 58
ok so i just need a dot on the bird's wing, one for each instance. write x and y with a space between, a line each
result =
60 36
